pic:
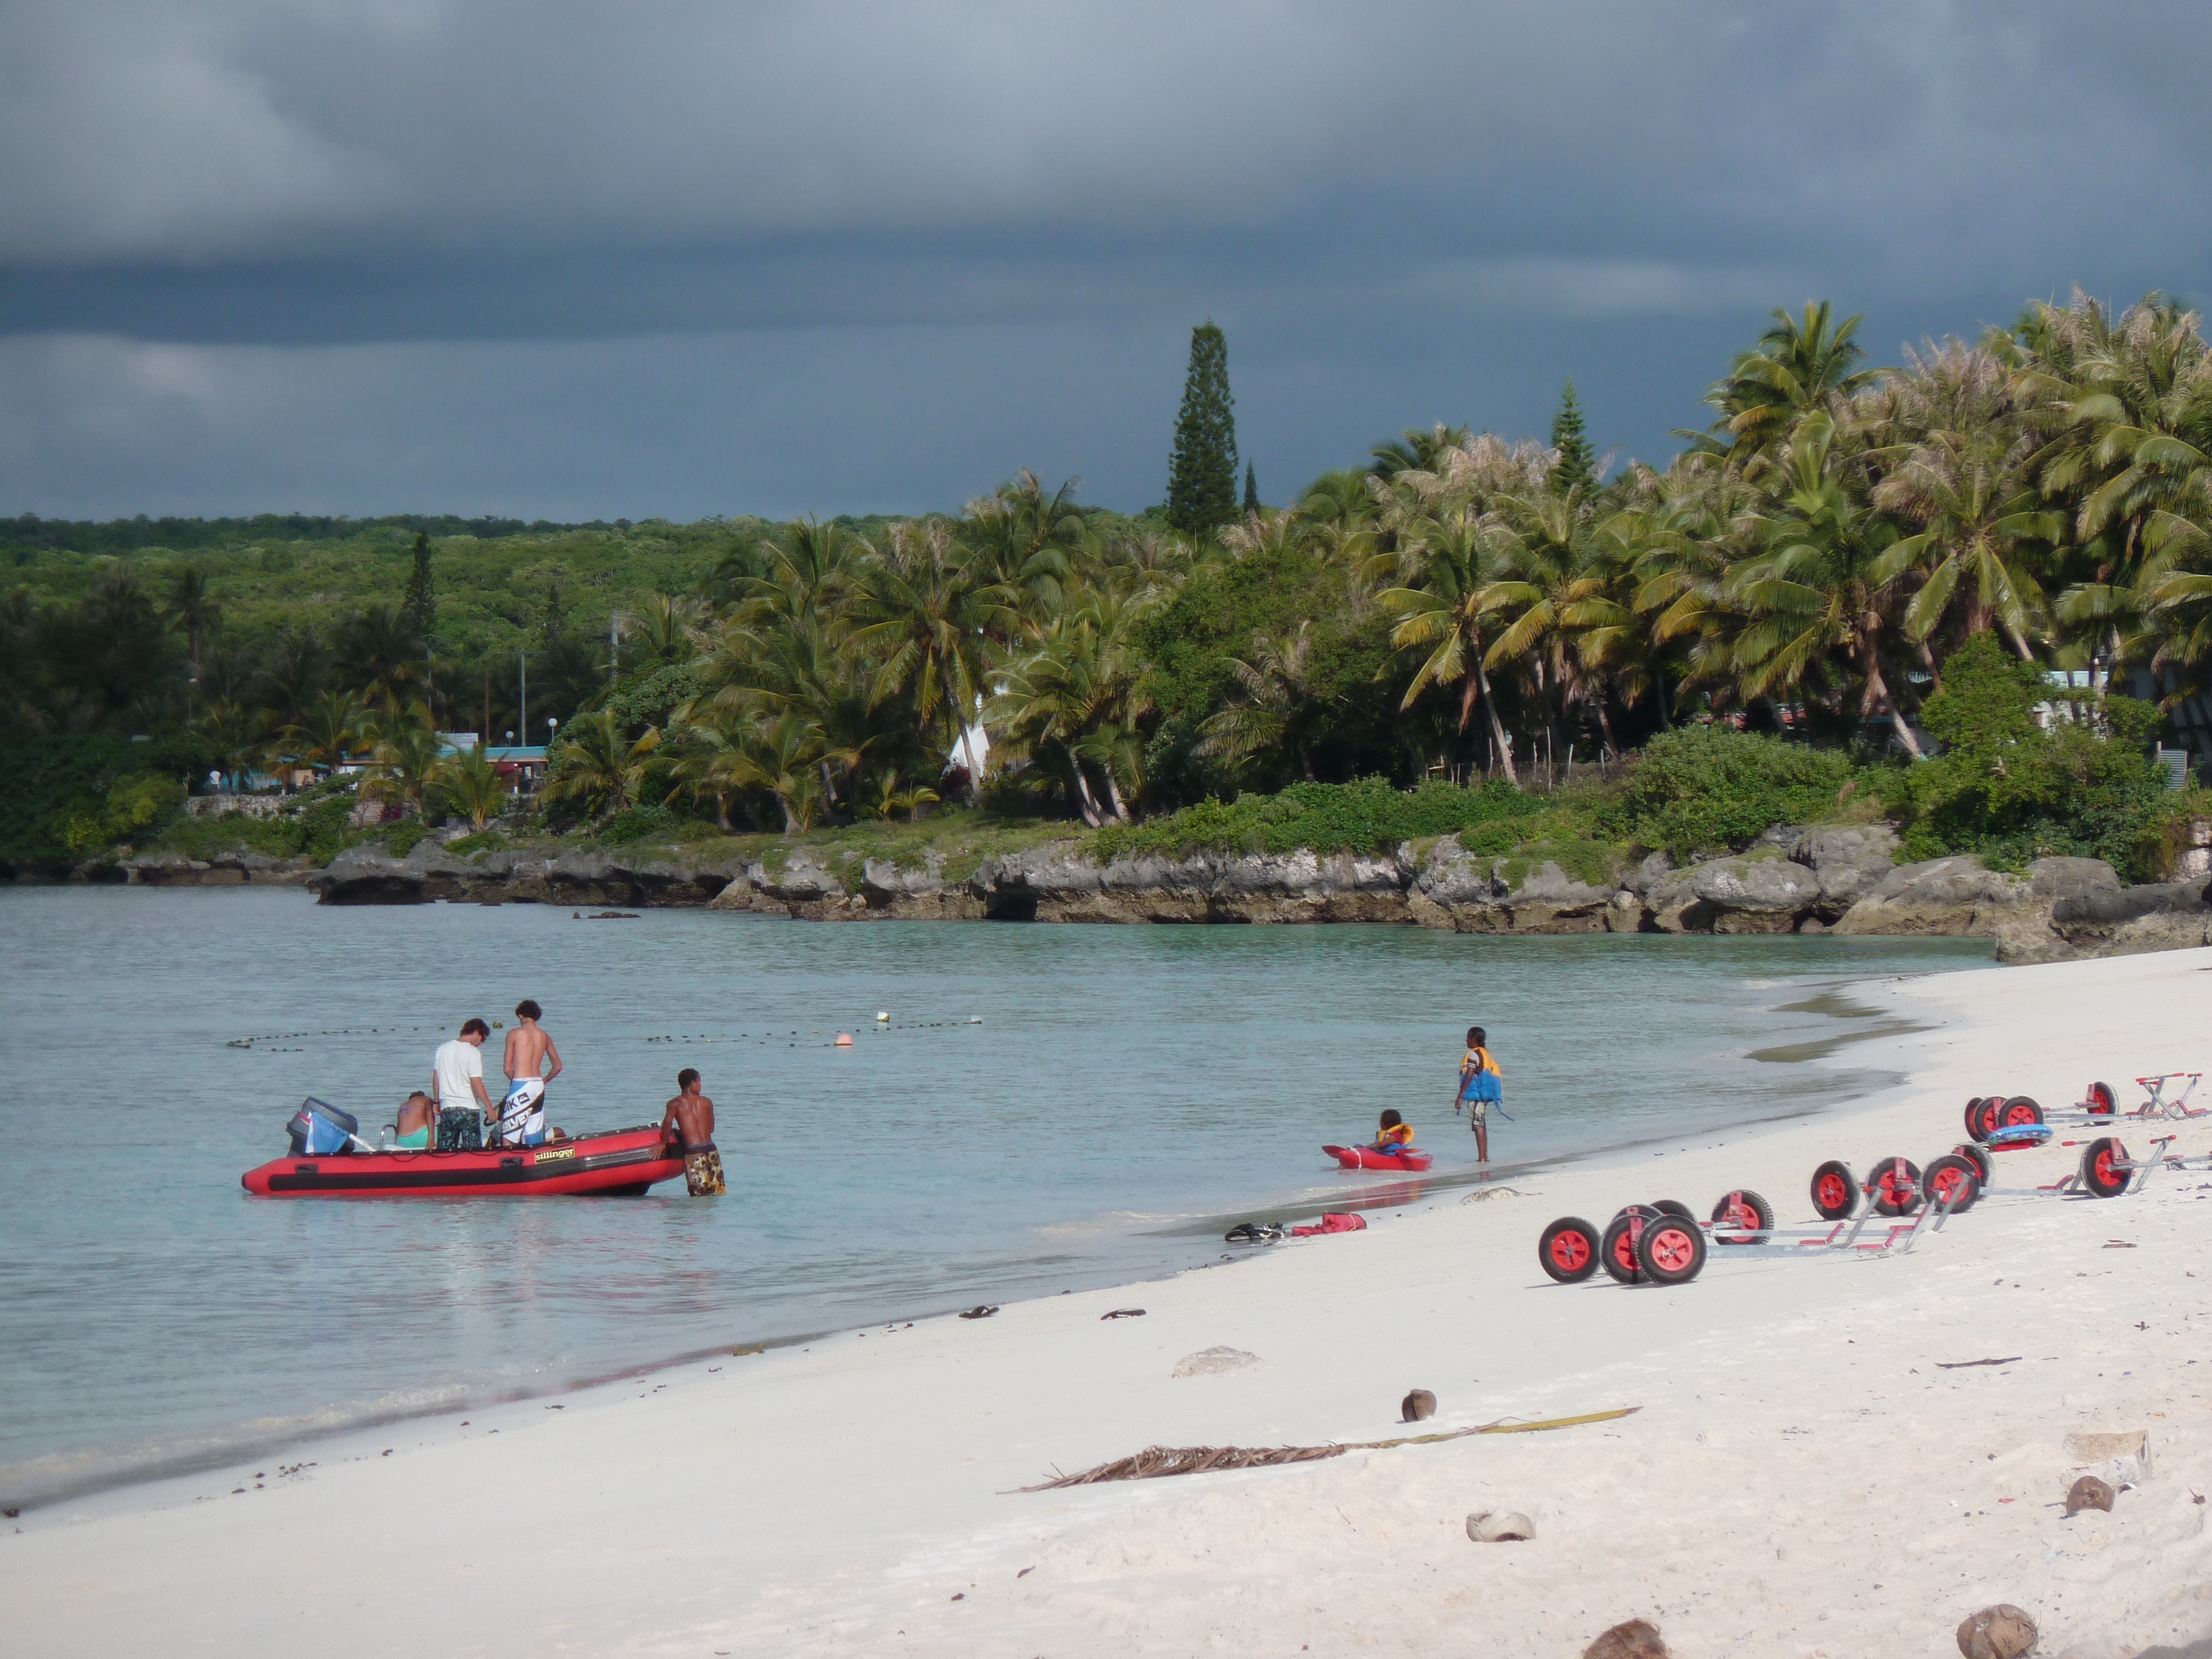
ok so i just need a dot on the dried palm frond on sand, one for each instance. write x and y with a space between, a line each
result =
1156 1462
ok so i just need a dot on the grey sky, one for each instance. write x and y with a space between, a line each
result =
574 259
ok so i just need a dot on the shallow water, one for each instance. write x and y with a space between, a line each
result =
1127 1088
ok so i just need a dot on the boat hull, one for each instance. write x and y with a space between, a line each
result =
623 1162
1366 1157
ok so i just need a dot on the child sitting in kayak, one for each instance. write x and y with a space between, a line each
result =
1395 1135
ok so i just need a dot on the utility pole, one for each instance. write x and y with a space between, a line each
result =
522 661
614 647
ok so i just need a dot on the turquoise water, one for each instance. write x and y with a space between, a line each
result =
1126 1091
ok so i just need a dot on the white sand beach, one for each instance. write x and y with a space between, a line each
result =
1803 1480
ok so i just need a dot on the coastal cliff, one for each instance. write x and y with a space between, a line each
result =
1809 879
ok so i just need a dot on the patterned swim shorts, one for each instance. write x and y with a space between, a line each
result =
703 1174
460 1129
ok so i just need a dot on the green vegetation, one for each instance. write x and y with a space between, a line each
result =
1852 571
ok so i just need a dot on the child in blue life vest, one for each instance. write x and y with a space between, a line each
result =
1480 1083
1395 1135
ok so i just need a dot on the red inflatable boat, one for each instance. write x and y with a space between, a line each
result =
1366 1157
622 1162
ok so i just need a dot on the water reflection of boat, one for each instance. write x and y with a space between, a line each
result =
620 1162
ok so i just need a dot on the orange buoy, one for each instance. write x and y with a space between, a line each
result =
844 1040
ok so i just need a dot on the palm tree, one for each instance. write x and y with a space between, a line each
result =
405 748
667 628
599 763
1551 589
192 611
1444 565
293 674
2125 411
1030 542
1415 451
473 784
329 730
1817 592
378 656
1956 472
1799 364
888 798
1073 705
1279 694
784 758
926 614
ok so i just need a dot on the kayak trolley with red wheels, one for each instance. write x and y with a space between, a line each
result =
1662 1243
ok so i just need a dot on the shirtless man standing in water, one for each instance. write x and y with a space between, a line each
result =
689 1120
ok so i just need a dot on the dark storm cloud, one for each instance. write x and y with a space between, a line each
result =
229 225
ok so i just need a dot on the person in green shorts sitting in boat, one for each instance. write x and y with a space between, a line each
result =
1395 1135
417 1119
1480 1083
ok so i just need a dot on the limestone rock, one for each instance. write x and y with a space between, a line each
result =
1482 1196
368 875
1956 895
1547 900
1671 903
1418 1406
2002 1632
1210 1361
1501 1526
1848 861
1755 895
2088 1493
1637 1639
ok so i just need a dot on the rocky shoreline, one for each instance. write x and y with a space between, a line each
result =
1805 879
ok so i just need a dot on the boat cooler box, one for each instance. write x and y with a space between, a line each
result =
320 1130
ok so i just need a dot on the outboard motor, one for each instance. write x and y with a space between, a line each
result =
318 1129
521 1115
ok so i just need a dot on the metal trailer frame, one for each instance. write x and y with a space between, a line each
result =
1901 1234
2154 1109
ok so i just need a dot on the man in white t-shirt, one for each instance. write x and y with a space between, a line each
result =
457 1080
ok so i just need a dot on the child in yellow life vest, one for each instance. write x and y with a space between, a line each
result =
1395 1135
1480 1082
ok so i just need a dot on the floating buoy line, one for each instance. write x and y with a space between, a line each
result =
881 1026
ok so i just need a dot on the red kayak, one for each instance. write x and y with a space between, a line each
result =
1366 1157
620 1164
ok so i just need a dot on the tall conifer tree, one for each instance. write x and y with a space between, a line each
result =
418 606
1576 465
1251 489
1202 472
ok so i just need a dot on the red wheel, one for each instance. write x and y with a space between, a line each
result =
2018 1110
1742 1218
2102 1102
1616 1251
1671 1251
1948 1175
2099 1179
1982 1120
1835 1191
1896 1186
1568 1250
1979 1157
1973 1107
